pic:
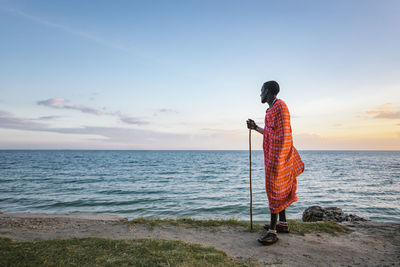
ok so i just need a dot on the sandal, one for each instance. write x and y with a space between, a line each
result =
280 228
269 239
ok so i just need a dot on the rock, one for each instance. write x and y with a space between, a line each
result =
313 214
1 212
317 213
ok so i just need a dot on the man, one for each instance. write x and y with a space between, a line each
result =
282 161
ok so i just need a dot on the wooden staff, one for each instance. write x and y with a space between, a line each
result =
251 192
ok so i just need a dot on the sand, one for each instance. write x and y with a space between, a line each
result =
370 244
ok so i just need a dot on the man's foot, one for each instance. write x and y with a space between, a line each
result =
269 239
280 227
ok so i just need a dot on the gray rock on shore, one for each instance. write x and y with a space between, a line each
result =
317 213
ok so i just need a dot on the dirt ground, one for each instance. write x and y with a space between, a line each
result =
370 244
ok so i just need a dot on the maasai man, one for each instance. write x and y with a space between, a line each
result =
282 161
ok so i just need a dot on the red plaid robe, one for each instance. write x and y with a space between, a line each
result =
282 161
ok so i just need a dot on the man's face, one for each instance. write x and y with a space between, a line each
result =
265 95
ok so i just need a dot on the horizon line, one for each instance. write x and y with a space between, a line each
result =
56 149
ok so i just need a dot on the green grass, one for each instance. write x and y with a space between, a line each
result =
108 252
192 223
296 227
303 228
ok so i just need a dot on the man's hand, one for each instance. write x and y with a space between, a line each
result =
251 124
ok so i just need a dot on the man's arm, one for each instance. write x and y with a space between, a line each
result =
252 125
259 129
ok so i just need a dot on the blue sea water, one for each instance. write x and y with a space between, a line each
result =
198 184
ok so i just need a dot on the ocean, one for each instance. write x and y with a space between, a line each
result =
197 184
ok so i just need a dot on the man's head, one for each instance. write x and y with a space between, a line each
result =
269 90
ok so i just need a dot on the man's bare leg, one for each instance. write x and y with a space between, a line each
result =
274 219
282 216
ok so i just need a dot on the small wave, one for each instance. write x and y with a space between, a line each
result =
93 203
168 172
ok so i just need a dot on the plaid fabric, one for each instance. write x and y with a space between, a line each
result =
282 161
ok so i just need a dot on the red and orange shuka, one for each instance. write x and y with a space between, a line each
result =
281 159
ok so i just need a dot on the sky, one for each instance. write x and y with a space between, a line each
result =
187 74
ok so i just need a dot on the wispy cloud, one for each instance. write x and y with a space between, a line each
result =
132 50
52 102
46 118
86 35
386 111
132 120
8 121
84 109
4 113
58 103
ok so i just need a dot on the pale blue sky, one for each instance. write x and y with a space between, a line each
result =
187 74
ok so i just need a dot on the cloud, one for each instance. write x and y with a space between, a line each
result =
64 28
58 103
4 113
386 111
132 120
388 115
52 102
45 118
7 120
83 109
130 49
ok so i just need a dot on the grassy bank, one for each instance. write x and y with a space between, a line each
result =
192 223
141 252
297 227
303 228
108 252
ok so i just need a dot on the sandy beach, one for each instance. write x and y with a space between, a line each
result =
369 244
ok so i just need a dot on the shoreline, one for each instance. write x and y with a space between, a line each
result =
369 243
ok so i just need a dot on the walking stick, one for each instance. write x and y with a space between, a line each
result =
251 193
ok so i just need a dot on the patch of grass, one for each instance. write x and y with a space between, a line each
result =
296 227
193 223
303 228
108 252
